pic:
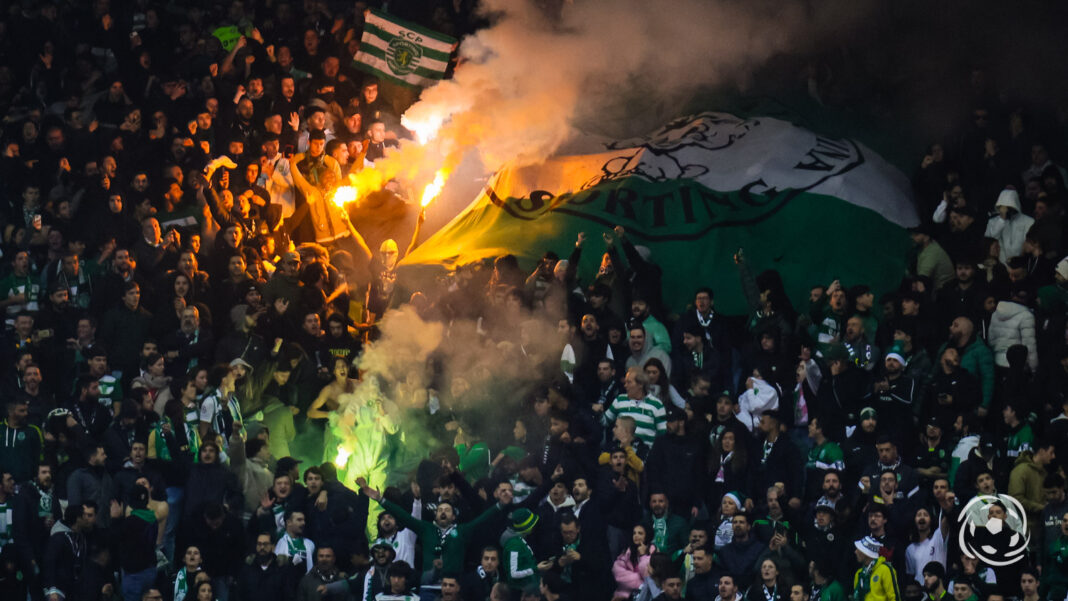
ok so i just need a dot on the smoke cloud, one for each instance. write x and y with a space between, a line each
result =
537 80
471 383
532 82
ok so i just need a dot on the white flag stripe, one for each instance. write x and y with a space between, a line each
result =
399 30
373 61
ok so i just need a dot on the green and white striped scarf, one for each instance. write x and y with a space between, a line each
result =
191 434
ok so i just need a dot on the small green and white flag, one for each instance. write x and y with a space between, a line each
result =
402 51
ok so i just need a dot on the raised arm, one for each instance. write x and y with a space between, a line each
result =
404 517
415 234
360 242
298 177
315 410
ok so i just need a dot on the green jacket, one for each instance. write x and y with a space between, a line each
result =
827 456
1019 441
675 535
979 361
1055 574
827 325
449 545
832 591
521 569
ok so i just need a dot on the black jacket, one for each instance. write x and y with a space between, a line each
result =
266 582
211 482
31 531
675 467
782 464
839 398
222 548
64 563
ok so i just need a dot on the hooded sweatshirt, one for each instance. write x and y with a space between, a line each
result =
1025 485
521 567
1011 324
1010 232
20 450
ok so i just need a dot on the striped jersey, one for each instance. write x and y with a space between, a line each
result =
648 414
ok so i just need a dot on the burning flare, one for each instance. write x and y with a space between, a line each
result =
426 129
433 188
343 454
344 195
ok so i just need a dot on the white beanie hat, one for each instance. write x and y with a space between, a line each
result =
869 547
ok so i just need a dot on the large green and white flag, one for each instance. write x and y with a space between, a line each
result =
815 208
402 51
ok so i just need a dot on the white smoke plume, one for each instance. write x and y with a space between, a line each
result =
533 81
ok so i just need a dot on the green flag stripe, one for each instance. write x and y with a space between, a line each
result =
370 33
432 63
371 54
395 26
381 69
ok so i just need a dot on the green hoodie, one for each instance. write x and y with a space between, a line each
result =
1025 485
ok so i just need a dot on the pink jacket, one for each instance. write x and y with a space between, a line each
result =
628 577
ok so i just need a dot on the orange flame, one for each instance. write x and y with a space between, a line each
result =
344 195
433 188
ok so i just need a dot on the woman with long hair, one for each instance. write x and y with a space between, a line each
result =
771 584
172 300
329 400
205 591
632 565
927 543
660 386
153 376
727 468
991 271
660 568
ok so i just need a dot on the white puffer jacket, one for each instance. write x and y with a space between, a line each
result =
1011 324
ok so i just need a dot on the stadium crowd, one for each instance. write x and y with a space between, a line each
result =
183 306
